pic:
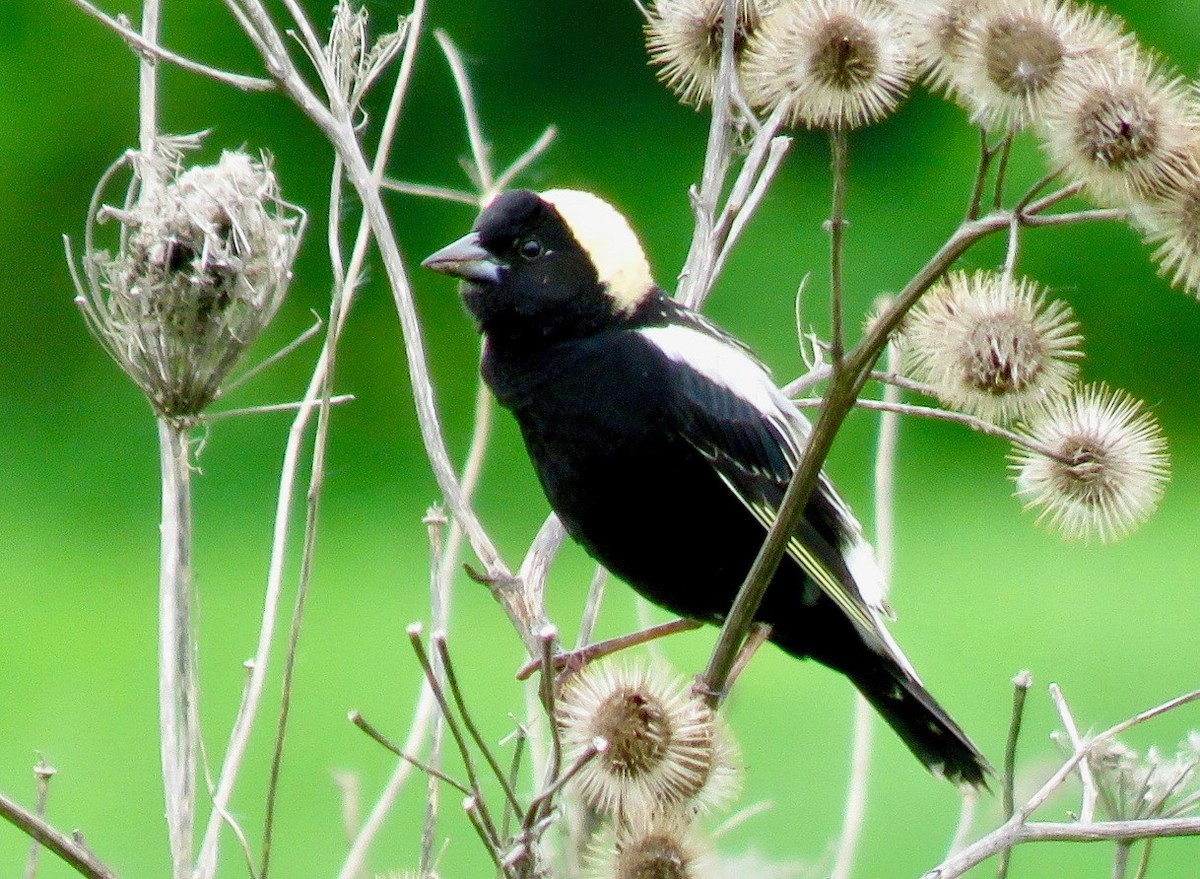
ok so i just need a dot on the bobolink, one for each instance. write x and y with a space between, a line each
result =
665 448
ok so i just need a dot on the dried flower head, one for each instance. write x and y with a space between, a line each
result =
1123 127
205 257
662 846
1096 465
1018 55
991 345
355 61
684 38
662 746
939 34
831 63
1132 787
1173 223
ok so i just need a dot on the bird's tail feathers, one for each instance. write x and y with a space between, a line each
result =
922 724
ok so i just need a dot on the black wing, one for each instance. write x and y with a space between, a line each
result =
729 409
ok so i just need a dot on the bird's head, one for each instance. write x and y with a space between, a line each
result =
557 264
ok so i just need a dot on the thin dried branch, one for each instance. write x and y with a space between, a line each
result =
1021 684
356 718
75 853
1087 806
1018 830
141 45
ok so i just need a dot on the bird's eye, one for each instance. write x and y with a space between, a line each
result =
529 248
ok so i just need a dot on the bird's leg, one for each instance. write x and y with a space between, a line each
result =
570 662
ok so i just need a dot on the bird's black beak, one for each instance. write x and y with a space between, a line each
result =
466 259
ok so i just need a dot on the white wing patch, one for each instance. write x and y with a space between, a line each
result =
721 364
609 241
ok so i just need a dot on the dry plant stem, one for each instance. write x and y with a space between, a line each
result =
760 633
966 819
435 524
986 154
1005 151
839 151
840 399
337 305
1068 831
71 850
971 421
452 724
1121 859
591 609
240 736
143 46
1087 806
335 400
1144 860
854 817
43 772
581 657
695 274
178 689
373 731
439 641
466 98
1021 684
178 686
1018 829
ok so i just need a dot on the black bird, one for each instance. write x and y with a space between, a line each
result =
665 448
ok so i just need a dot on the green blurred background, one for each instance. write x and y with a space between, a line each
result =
981 592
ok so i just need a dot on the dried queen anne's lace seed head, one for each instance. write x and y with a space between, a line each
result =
831 63
991 345
663 846
662 746
684 38
1132 787
1123 127
1108 468
204 262
1018 55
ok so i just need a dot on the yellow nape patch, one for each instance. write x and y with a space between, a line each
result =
609 241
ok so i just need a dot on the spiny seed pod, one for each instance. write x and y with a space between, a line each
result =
939 34
1018 55
659 745
1123 127
991 345
663 846
1173 223
684 38
204 261
1106 470
830 63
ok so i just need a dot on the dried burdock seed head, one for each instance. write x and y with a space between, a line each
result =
662 846
1173 223
203 263
1106 470
831 63
662 746
1123 127
939 34
684 38
1018 55
991 345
